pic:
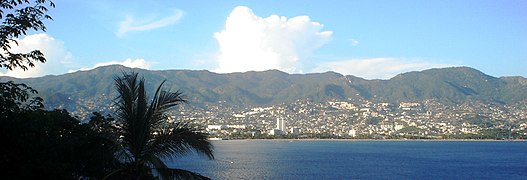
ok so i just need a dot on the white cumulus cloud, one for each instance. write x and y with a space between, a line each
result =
130 24
131 63
377 68
57 58
249 42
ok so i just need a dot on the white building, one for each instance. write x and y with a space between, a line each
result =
216 127
280 128
295 131
398 127
236 126
280 124
353 133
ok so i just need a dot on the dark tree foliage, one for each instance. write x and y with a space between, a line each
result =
16 97
40 144
104 126
43 144
19 16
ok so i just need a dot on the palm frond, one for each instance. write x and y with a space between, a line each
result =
183 174
131 108
138 120
181 140
159 164
172 173
163 101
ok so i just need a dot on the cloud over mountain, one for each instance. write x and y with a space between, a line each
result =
250 42
58 59
378 68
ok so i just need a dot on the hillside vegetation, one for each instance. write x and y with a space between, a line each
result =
88 91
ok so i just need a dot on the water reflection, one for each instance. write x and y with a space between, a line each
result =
284 159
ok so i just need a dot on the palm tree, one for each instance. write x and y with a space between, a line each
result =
146 137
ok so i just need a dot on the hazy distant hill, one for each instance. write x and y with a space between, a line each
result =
450 85
93 90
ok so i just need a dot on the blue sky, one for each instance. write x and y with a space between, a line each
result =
369 39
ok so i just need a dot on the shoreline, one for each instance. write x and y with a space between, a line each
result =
395 140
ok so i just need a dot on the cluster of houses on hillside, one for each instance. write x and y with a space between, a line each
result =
358 119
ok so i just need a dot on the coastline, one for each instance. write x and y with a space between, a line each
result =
394 140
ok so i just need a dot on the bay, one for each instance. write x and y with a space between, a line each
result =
350 159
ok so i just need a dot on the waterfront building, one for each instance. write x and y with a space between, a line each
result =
280 128
280 124
295 131
276 132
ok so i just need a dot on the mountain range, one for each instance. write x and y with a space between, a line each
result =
93 90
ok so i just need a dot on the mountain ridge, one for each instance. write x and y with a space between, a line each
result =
93 90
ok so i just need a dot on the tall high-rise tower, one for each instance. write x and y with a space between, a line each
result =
280 124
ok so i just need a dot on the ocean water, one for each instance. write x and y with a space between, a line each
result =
340 159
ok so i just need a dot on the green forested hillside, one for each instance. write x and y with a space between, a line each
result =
93 90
